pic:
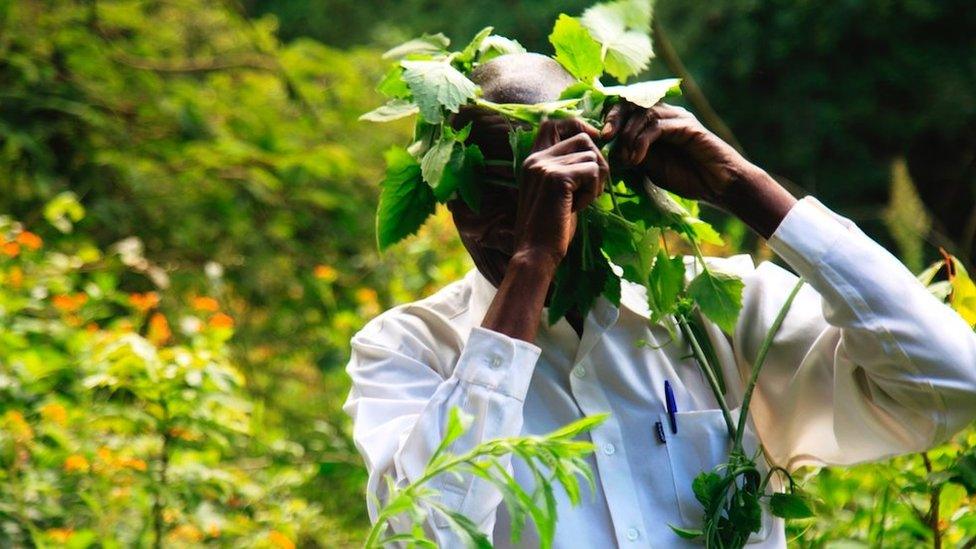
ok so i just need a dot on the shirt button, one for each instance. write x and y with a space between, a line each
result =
609 449
495 361
633 534
579 371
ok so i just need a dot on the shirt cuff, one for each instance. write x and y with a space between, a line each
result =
498 362
808 233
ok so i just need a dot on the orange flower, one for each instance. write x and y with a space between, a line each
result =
144 302
16 277
366 296
76 463
186 532
159 331
29 240
213 530
54 412
221 320
280 540
91 327
18 426
11 249
60 535
135 464
68 303
326 273
205 303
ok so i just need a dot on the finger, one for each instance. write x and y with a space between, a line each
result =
588 183
614 120
629 136
578 125
652 131
579 157
547 136
664 110
578 142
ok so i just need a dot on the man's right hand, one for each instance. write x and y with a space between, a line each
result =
564 173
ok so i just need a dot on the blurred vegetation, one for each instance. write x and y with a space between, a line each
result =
186 241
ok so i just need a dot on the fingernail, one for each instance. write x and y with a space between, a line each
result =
606 128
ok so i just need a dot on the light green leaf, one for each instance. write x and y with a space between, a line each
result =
495 46
704 232
469 51
433 163
436 85
405 200
963 298
646 94
393 110
63 211
719 295
457 423
427 44
461 176
789 506
665 285
534 113
576 50
392 85
622 29
686 533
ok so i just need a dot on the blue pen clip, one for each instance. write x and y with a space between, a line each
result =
672 407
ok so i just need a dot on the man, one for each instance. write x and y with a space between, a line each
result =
866 365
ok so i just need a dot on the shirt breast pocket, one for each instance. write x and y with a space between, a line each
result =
702 443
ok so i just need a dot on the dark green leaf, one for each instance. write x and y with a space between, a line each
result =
745 513
706 487
964 471
461 176
405 200
719 295
790 506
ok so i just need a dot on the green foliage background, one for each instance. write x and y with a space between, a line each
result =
200 153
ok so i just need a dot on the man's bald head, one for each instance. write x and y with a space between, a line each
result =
522 78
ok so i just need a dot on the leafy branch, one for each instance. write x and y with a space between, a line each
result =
554 459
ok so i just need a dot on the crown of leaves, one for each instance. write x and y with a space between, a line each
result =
624 227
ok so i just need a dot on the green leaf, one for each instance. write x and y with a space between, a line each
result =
457 423
534 113
622 29
963 297
706 487
436 86
405 200
393 85
790 506
461 176
665 284
433 163
964 471
631 247
393 110
495 46
429 44
645 94
576 50
745 513
719 295
704 232
469 51
582 275
686 533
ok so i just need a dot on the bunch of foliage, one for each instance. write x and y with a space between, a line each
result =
554 459
122 424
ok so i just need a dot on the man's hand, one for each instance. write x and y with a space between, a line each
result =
563 175
679 154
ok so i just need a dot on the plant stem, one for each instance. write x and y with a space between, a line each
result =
760 358
709 373
933 515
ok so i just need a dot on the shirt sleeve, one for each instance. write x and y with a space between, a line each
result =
401 398
868 364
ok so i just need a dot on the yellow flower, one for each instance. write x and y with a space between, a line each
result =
326 273
60 535
221 320
76 463
55 413
280 540
29 240
213 530
16 277
205 303
18 426
186 532
135 464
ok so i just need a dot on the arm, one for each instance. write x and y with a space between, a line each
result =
868 363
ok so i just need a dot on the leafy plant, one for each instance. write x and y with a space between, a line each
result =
554 459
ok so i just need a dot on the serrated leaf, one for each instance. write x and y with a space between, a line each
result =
436 86
461 176
645 94
576 50
393 110
582 275
719 295
534 113
665 285
704 232
964 471
622 29
393 85
433 163
426 44
495 46
789 506
469 51
705 487
686 533
745 513
405 200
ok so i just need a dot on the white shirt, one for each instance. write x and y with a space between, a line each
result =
866 365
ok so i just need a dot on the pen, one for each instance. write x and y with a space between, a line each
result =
672 407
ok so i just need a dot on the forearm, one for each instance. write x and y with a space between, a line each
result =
517 307
758 200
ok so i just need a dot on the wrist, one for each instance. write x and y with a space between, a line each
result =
535 260
757 199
